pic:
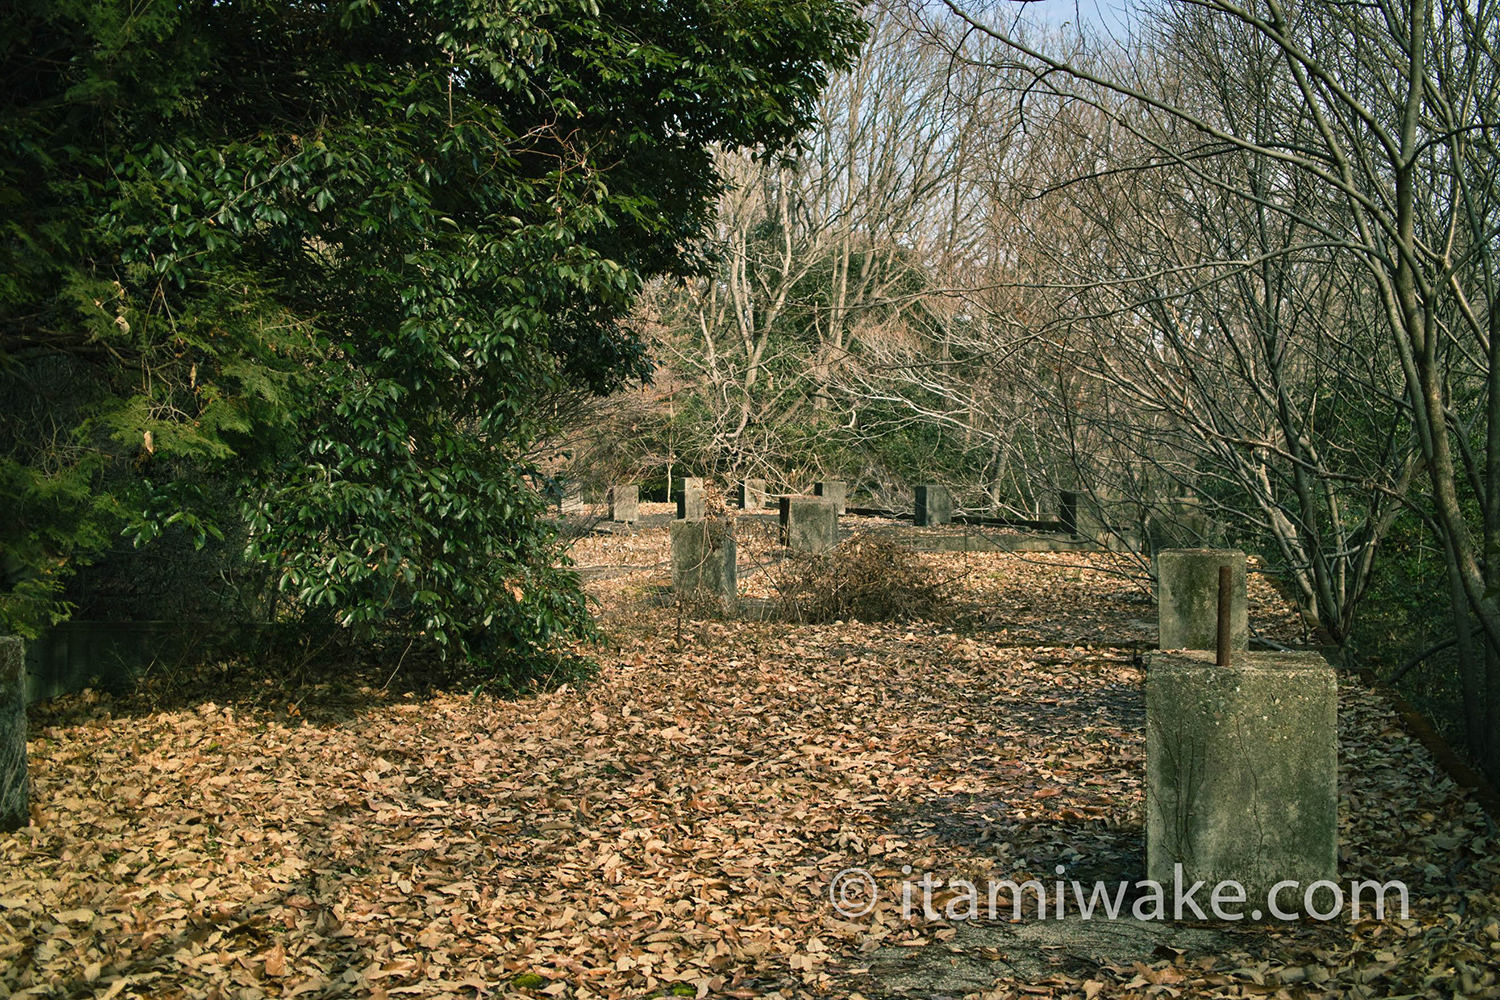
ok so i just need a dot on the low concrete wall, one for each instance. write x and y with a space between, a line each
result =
980 542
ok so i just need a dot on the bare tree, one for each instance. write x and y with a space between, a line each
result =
1363 157
815 252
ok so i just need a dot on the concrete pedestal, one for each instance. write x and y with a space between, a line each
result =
1181 523
690 499
624 504
1242 772
934 506
14 790
1067 511
752 494
703 560
1187 598
833 490
1082 514
809 524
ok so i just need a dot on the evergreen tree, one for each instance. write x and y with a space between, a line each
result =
340 255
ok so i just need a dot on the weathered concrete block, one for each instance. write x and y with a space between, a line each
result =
809 524
571 501
703 559
15 809
1242 771
690 499
1182 523
752 494
1067 510
934 506
109 656
624 504
833 490
1081 514
1187 598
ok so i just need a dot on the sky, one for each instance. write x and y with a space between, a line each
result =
1108 14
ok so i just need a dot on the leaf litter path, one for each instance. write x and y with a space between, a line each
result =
671 829
1018 598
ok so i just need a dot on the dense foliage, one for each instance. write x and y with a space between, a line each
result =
343 256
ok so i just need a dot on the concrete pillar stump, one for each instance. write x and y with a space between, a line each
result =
690 499
1187 598
1081 514
934 506
833 490
1091 522
752 494
1181 523
1242 772
809 524
15 809
703 560
1067 510
624 504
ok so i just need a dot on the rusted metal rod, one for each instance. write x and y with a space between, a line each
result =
1226 587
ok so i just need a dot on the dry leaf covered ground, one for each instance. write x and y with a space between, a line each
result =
672 828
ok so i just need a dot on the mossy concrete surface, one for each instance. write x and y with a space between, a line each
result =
690 499
752 494
703 560
624 504
833 490
1242 771
1187 598
14 806
809 524
934 505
